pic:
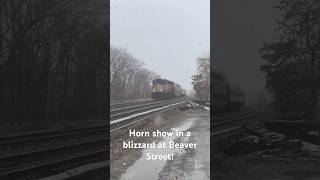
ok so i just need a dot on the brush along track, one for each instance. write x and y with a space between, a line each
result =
202 102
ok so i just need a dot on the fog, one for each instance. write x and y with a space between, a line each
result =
167 35
239 30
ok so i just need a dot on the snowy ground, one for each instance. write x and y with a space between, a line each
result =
257 166
188 163
270 157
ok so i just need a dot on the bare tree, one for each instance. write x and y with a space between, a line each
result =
38 57
292 61
128 78
201 80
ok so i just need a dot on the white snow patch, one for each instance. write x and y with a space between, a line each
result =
310 147
142 113
149 169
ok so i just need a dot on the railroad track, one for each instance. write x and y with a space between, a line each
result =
65 149
229 125
129 103
125 116
40 154
8 144
116 113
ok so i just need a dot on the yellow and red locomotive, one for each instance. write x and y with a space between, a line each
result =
163 88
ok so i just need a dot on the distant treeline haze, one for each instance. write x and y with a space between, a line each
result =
53 60
128 77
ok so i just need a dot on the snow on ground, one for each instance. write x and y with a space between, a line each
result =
189 163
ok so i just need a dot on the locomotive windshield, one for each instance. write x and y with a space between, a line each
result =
160 82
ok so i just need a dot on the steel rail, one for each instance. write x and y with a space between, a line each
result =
231 126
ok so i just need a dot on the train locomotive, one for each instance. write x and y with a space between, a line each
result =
163 88
226 96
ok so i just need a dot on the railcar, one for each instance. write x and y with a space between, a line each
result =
219 91
225 96
236 97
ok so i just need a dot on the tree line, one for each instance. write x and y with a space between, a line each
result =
129 79
53 60
292 61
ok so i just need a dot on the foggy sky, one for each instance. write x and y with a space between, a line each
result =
239 29
167 35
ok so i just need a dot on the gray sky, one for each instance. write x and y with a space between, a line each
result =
239 29
167 35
